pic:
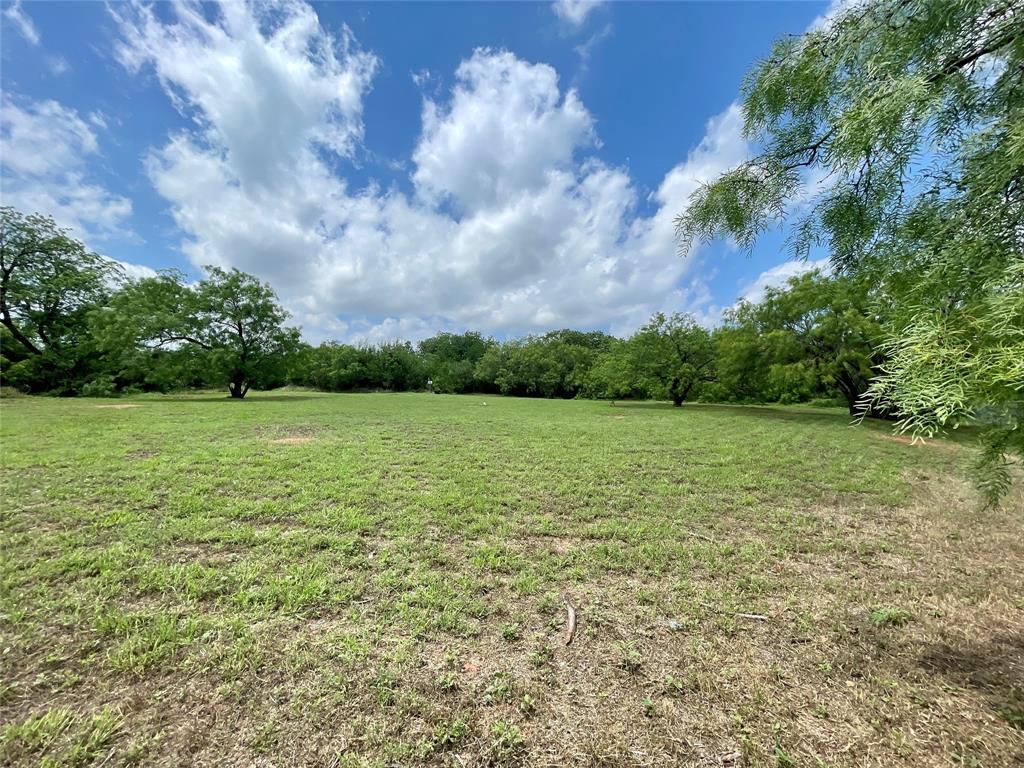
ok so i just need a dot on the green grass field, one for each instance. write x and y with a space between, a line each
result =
348 580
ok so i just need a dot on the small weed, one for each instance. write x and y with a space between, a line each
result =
451 733
782 758
498 690
527 704
890 616
542 656
385 684
447 681
266 739
1013 713
630 658
674 686
506 741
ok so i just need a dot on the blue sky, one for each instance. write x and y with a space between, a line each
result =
395 169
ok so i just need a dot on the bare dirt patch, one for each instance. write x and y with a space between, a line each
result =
289 434
917 443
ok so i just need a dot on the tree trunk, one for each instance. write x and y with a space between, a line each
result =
850 391
673 391
853 392
237 387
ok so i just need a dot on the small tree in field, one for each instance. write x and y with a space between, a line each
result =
233 317
672 355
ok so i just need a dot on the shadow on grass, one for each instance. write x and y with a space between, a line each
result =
994 667
263 397
774 412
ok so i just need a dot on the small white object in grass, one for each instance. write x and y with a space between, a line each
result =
483 403
674 625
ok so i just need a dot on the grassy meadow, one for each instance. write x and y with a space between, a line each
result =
381 579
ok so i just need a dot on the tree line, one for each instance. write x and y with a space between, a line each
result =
73 324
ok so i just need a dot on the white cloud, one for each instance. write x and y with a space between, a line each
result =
506 129
586 49
58 64
777 276
513 225
834 10
44 147
574 12
20 19
265 101
135 271
43 138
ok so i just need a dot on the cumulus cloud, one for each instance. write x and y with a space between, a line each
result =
574 12
17 16
135 271
512 225
777 276
265 101
44 148
506 129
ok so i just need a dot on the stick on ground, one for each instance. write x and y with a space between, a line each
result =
570 624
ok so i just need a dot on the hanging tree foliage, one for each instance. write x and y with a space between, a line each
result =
908 117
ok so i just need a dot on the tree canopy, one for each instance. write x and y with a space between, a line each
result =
813 337
902 123
48 284
234 318
671 355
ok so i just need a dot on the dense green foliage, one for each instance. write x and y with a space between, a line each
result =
335 367
904 123
48 284
553 365
814 339
666 359
451 361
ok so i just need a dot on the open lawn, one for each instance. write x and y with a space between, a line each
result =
348 580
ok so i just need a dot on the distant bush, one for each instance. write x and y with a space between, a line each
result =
827 402
100 386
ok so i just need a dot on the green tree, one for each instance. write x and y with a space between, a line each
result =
553 365
451 359
395 366
912 114
814 337
671 356
333 367
490 366
231 316
49 282
613 375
